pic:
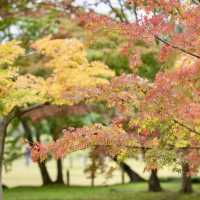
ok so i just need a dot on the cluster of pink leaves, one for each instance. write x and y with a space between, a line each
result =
176 93
152 27
120 93
82 138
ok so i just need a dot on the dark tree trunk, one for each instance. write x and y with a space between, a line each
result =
3 131
186 179
59 179
93 170
154 182
46 180
133 176
3 126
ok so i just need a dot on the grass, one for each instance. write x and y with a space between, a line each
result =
116 192
23 175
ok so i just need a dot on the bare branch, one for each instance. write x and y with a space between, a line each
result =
185 126
176 47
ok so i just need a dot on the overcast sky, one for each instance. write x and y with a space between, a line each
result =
101 8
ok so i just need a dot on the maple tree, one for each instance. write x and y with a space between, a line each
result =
71 72
12 89
163 116
30 26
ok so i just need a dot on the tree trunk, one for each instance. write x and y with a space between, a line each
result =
46 180
59 179
3 131
154 182
3 126
186 179
133 176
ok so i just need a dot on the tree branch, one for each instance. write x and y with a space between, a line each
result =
135 12
176 47
23 111
197 2
185 126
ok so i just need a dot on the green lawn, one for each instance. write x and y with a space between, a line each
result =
118 192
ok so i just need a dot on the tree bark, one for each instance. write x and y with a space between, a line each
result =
133 176
154 182
3 131
59 179
186 179
46 180
3 126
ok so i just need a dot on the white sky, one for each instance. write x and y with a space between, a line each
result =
101 8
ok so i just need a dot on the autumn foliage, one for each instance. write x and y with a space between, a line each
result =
160 118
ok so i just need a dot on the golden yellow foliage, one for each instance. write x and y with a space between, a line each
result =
9 52
71 69
15 89
71 74
25 90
